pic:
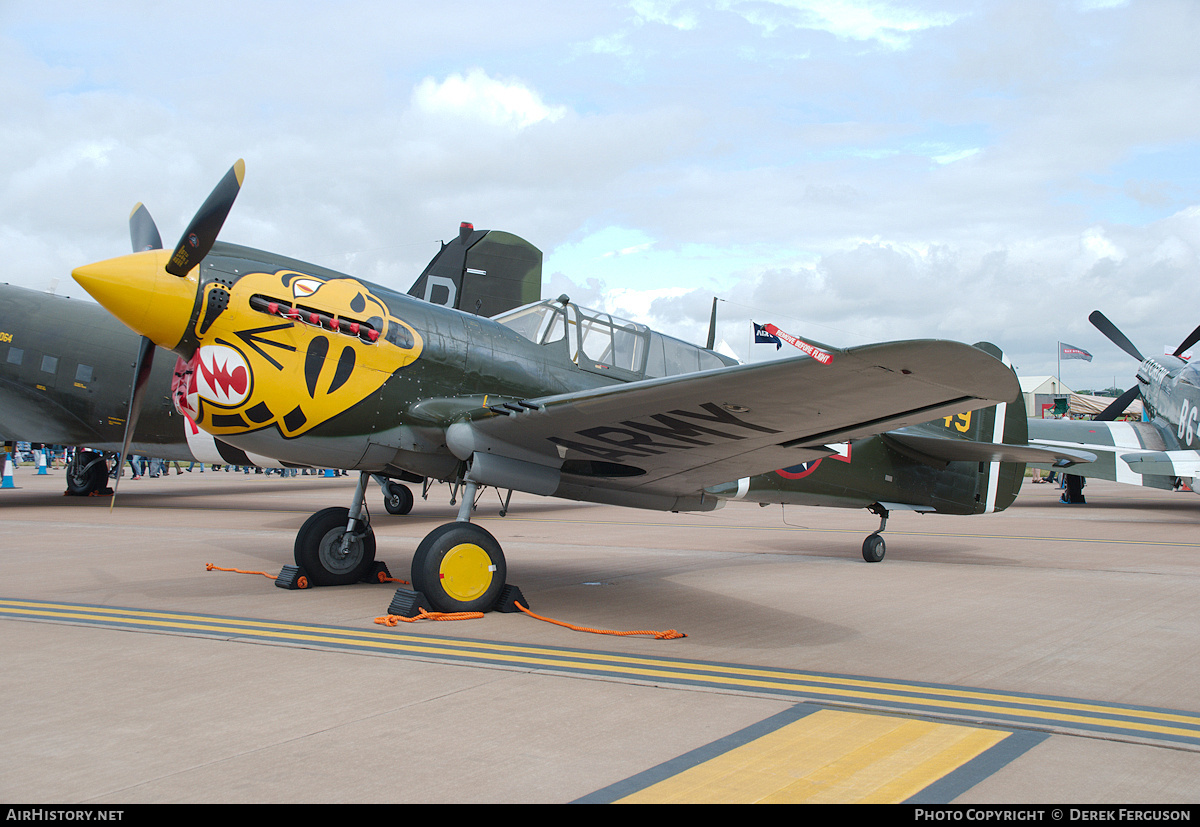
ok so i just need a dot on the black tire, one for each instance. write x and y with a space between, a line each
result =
874 548
398 499
87 473
459 567
318 543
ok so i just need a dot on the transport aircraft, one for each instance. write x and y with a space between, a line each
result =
304 364
1161 452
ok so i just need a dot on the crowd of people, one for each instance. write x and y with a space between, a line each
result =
60 456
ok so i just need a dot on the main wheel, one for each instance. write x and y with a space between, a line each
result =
319 549
459 567
874 548
87 472
397 499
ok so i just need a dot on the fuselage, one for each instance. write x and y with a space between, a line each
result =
370 377
65 372
1171 394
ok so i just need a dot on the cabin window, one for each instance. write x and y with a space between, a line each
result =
49 364
83 373
15 355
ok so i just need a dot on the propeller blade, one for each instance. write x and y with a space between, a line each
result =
201 233
141 373
1115 336
142 231
1188 342
1118 406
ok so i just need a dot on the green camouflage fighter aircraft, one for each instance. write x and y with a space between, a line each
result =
65 364
1163 452
301 363
969 463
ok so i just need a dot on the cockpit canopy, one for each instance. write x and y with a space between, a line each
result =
1190 375
601 343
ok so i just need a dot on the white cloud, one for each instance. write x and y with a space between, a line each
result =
662 11
871 170
865 20
477 96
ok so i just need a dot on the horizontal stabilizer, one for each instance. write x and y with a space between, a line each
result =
1165 463
966 450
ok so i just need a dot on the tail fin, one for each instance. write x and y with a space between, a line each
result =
484 272
995 440
1001 481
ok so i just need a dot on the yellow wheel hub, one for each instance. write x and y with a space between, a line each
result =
466 572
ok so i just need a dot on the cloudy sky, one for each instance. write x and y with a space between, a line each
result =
850 170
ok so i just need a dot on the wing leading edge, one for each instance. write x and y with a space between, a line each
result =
659 443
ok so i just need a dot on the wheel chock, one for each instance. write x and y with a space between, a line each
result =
407 603
292 577
510 595
379 573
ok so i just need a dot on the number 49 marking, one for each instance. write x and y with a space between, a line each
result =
961 422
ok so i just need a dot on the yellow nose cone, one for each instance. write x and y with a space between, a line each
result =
138 291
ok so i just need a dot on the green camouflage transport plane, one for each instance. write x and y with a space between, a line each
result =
1162 452
297 362
65 364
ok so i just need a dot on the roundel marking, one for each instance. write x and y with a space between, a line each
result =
796 472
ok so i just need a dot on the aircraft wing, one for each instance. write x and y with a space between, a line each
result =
658 443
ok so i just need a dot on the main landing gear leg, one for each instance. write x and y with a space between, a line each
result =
460 567
873 547
336 546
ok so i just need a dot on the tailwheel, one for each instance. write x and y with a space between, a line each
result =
328 555
397 498
874 548
459 567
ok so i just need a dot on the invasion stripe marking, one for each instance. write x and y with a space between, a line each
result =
1128 722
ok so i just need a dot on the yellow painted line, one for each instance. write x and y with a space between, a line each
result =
828 757
828 688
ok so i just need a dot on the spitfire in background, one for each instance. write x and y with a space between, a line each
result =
1162 452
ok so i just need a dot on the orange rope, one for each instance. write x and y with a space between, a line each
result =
670 634
392 620
303 581
211 567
